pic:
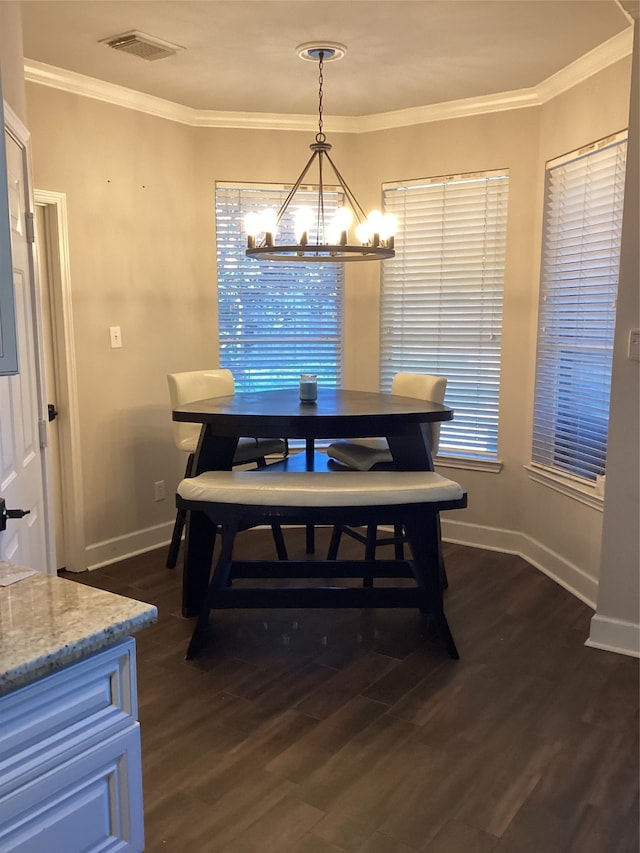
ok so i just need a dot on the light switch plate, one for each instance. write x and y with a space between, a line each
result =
634 345
115 336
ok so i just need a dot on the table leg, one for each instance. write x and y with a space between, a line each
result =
410 449
310 453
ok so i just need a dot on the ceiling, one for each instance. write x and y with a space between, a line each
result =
239 55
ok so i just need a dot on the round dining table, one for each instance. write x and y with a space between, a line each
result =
337 413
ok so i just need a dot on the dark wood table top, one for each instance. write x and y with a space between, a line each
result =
337 413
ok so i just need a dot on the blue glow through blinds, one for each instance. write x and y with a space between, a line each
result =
584 196
442 299
276 320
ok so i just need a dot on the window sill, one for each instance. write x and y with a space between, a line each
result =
576 489
490 466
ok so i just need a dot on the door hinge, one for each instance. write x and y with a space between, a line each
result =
31 230
42 432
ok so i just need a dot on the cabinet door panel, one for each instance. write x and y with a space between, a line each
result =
91 804
65 712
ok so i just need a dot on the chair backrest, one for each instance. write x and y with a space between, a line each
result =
195 385
422 386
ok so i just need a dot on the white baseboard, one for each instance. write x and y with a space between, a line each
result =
569 576
130 545
614 635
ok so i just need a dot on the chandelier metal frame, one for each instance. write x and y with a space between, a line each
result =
377 245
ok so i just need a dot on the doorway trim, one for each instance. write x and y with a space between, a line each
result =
17 130
55 214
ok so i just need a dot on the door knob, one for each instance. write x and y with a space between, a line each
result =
10 513
52 412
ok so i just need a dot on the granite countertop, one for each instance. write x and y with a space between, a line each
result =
48 622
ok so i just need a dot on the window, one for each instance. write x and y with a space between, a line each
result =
442 298
276 320
582 226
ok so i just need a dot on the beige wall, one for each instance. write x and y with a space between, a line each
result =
140 197
11 59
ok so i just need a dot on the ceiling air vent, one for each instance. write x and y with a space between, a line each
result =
142 45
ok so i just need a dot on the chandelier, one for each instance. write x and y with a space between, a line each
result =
321 237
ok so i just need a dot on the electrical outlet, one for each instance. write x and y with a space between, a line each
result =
158 490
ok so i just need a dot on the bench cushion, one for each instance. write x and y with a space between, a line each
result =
319 488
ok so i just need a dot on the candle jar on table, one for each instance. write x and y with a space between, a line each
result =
308 387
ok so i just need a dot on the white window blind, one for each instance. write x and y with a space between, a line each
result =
584 196
442 298
276 320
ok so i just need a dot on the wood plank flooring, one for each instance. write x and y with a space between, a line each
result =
338 730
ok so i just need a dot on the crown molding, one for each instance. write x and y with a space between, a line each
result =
586 66
601 57
99 90
450 109
15 124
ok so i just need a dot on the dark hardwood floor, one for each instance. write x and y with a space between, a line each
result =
338 730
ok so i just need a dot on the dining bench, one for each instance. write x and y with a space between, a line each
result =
236 500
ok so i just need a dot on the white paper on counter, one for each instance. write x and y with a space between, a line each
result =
12 573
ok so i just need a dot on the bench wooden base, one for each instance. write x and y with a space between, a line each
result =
420 520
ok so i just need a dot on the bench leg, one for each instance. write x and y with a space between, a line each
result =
198 555
424 539
219 580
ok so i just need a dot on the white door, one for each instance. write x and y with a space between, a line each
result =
22 459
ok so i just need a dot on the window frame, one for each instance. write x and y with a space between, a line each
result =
590 332
250 271
485 280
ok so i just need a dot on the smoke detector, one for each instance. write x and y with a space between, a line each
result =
142 45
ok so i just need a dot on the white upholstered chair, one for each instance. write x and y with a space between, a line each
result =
192 385
371 454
